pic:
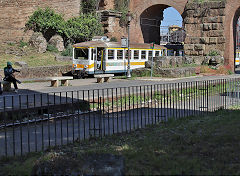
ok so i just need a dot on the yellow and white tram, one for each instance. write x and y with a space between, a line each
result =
237 58
95 57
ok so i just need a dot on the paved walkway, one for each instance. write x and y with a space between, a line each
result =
90 84
39 136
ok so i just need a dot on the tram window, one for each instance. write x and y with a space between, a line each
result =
143 54
157 53
111 54
165 52
81 53
136 54
119 54
150 54
126 54
93 53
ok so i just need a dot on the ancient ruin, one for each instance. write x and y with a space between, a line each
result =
209 25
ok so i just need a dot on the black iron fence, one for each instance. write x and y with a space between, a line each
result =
35 122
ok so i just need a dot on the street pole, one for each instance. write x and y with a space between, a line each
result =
152 65
128 67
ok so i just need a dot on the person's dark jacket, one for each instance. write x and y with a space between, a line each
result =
8 72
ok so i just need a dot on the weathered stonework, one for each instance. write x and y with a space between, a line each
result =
204 25
15 13
210 23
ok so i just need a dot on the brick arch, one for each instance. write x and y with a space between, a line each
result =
232 11
137 7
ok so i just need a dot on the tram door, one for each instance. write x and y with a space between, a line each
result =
99 60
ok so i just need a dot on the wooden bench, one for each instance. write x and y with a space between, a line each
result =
103 77
55 80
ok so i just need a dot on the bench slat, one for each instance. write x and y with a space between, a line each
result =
104 75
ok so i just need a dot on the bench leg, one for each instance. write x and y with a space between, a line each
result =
64 82
54 83
7 87
99 80
107 79
0 88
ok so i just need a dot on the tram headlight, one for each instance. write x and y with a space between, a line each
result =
75 66
85 67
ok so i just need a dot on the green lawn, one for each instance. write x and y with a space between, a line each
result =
198 145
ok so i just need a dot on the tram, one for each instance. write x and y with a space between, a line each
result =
98 57
237 58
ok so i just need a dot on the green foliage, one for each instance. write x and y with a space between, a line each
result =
89 6
82 28
11 44
76 29
122 6
113 39
22 44
213 53
47 22
68 51
52 48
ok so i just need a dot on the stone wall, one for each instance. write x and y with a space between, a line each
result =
111 24
41 72
204 25
15 13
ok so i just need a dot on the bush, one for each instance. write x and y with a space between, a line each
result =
213 53
68 51
113 39
88 6
52 48
83 28
22 44
47 22
76 29
122 6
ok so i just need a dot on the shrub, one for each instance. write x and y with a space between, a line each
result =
213 53
122 6
52 48
76 29
68 51
22 44
89 6
82 28
47 22
113 39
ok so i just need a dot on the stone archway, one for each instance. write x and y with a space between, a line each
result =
235 20
232 12
139 8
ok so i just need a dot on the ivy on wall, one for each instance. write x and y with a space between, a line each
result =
122 6
89 6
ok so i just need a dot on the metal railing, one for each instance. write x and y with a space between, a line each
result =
35 122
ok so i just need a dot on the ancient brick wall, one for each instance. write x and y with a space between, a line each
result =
15 13
204 25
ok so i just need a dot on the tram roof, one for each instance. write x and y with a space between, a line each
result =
104 44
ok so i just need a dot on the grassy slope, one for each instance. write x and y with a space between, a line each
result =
29 55
199 145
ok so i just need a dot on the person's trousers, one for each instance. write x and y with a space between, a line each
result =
0 88
13 80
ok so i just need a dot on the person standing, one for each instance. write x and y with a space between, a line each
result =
8 73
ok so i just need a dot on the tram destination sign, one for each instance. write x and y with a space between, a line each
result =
124 42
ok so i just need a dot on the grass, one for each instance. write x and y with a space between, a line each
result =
28 55
204 145
179 94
